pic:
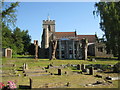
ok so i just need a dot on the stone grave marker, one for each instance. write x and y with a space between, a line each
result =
87 70
30 83
93 59
59 72
25 66
91 71
82 67
78 67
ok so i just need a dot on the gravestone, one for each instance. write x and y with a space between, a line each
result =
82 67
25 66
59 72
93 59
87 70
30 83
78 67
48 67
91 71
68 84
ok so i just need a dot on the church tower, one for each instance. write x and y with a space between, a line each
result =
48 30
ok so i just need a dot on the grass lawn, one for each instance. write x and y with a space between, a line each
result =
76 80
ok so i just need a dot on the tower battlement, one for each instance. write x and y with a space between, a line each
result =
49 22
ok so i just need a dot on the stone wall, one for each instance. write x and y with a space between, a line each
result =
99 50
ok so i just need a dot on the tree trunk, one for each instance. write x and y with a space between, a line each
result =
54 50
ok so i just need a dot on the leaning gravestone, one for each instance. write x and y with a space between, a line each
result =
91 71
59 72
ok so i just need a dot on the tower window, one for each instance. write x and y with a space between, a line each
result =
49 28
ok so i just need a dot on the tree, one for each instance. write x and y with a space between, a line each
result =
8 14
26 40
110 24
18 41
6 37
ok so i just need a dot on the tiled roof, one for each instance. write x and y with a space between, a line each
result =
65 34
91 38
59 35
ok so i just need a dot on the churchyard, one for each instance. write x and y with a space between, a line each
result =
28 72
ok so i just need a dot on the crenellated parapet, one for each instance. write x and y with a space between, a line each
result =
48 22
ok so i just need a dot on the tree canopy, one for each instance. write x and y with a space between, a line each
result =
16 39
110 24
8 14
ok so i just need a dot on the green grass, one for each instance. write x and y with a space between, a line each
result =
76 80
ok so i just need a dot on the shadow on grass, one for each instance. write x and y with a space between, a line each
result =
26 57
105 58
24 87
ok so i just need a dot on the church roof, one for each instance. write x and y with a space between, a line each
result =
65 34
91 38
72 35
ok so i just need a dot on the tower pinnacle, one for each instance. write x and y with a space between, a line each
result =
48 17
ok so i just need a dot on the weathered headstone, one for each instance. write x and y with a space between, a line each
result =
82 67
68 84
48 67
87 70
25 66
30 83
59 72
93 59
91 71
78 67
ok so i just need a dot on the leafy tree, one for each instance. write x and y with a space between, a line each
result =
8 14
18 40
110 24
6 37
26 40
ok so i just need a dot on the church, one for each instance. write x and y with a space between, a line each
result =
68 45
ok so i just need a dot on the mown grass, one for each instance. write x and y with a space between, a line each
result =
76 80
